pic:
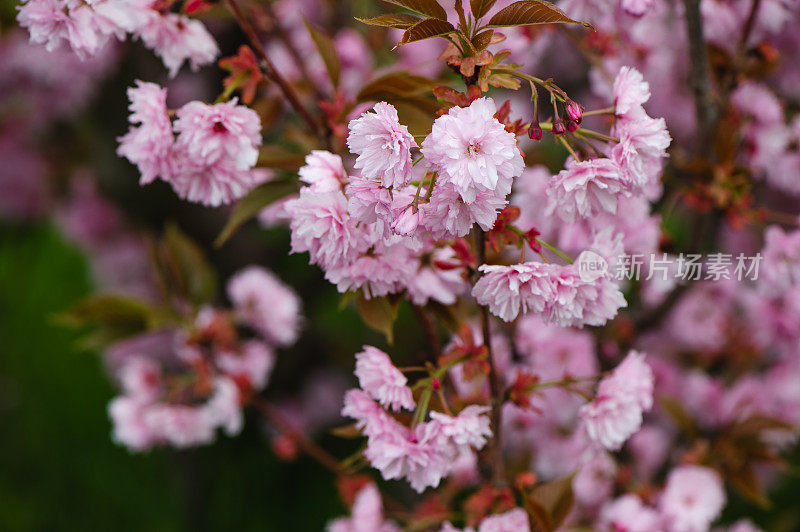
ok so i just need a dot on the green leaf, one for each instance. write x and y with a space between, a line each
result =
110 310
327 50
380 314
427 29
399 21
188 267
481 7
250 205
530 12
272 156
111 317
430 8
396 84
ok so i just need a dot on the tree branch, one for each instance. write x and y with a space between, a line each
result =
495 450
699 78
276 419
271 72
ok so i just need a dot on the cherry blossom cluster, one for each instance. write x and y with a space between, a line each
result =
642 399
86 27
208 154
207 374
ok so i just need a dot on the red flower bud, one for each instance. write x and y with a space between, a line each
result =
572 126
558 127
535 131
574 111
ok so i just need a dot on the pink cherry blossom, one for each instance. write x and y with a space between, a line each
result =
323 171
515 520
177 39
622 397
383 146
472 151
129 426
382 380
507 290
470 428
449 216
587 188
367 514
322 226
267 304
631 91
637 7
221 134
628 514
253 362
433 282
150 145
693 498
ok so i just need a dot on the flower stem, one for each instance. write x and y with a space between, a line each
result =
555 250
276 418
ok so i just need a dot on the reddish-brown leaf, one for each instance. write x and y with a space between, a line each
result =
426 29
430 8
399 21
481 7
530 12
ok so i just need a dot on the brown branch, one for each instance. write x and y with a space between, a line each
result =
699 77
429 327
271 72
280 32
495 450
276 419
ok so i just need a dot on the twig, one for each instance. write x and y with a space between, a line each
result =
495 451
429 327
275 418
749 25
271 72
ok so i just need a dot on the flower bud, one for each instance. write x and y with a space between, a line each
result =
535 131
558 127
407 222
572 126
575 111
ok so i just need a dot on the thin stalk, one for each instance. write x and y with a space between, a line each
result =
271 72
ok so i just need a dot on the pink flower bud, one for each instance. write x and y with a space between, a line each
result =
574 111
558 127
407 222
572 126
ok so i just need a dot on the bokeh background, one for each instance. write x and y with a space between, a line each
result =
59 469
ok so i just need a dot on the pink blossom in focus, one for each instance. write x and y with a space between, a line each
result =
631 91
322 226
472 151
178 39
383 146
587 188
323 171
382 380
150 144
